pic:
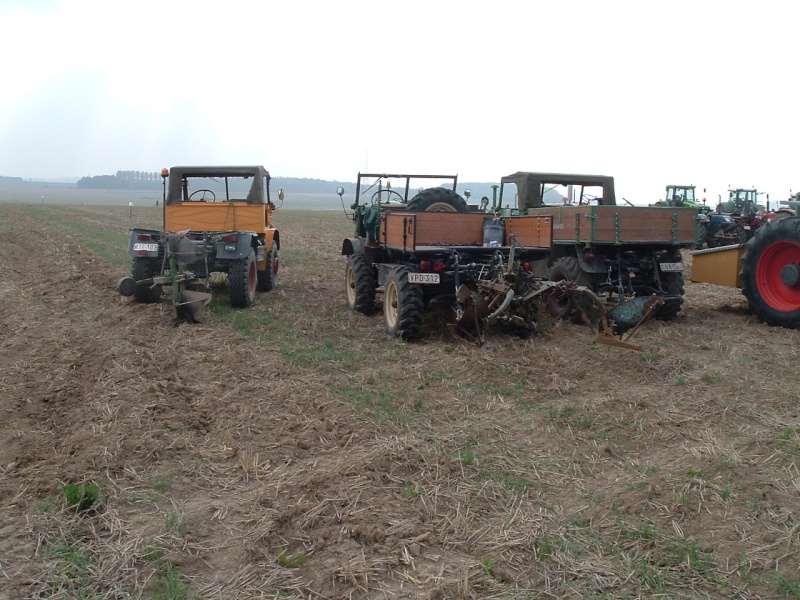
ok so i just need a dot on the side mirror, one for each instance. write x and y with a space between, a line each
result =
340 191
280 194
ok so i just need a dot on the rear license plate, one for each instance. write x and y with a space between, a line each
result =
671 266
423 278
146 247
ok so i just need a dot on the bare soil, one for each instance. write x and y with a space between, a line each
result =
295 450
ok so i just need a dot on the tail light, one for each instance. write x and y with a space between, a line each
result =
229 238
144 237
527 267
436 266
678 257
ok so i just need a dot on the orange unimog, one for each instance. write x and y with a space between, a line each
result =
216 219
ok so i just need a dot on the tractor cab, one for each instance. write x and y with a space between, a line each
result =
741 202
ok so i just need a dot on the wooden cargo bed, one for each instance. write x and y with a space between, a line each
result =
623 224
422 231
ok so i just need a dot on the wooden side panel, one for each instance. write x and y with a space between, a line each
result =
644 224
623 224
215 216
531 232
565 221
450 229
434 229
398 230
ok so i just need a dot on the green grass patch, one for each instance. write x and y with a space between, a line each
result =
81 498
379 404
291 561
170 586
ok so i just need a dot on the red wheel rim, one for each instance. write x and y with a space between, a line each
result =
771 288
251 279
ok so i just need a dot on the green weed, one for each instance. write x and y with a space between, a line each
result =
688 554
291 561
650 358
80 498
170 586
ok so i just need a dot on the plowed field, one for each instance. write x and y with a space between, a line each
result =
294 450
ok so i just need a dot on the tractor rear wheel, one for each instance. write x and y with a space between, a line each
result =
438 200
672 285
771 273
702 237
402 305
360 284
242 278
268 278
145 268
564 305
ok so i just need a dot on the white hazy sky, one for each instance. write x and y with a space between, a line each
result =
696 92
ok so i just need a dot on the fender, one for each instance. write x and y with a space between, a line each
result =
598 265
231 251
264 246
352 246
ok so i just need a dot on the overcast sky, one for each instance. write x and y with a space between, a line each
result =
695 92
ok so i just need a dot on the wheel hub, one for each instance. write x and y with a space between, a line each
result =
790 275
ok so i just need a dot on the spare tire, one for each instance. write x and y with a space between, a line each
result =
438 200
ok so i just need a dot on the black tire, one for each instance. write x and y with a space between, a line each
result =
268 278
402 305
702 237
567 268
438 200
360 284
770 257
242 278
672 285
146 268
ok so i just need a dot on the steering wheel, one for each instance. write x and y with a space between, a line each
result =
203 197
376 196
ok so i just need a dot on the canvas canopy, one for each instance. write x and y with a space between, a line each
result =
179 175
530 186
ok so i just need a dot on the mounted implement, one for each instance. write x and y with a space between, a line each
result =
215 220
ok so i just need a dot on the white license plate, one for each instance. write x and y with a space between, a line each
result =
147 247
746 227
671 266
423 278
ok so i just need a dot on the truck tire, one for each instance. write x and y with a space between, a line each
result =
360 284
769 273
567 268
672 285
438 200
242 278
402 305
268 278
145 268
